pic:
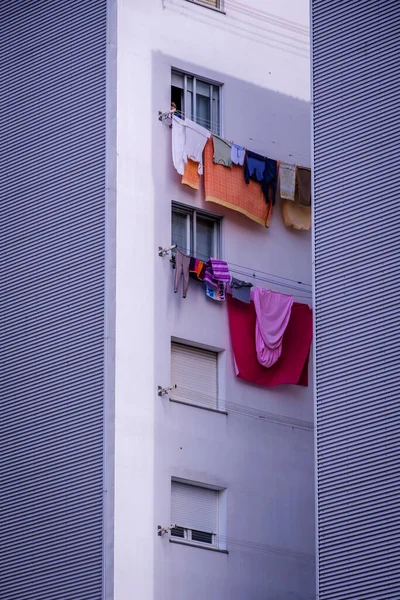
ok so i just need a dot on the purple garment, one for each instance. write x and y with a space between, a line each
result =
237 155
273 311
216 270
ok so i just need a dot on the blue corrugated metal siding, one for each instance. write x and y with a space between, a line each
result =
52 246
356 95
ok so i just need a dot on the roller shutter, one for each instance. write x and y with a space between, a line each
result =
194 507
194 372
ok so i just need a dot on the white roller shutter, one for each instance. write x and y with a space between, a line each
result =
194 507
195 373
177 79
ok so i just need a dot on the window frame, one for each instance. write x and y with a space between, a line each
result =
205 80
220 9
219 536
191 229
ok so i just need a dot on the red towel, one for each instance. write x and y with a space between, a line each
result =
292 365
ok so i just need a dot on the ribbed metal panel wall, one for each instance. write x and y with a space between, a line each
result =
52 232
356 95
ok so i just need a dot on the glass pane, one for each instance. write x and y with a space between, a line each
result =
215 125
201 536
180 230
178 532
204 238
203 107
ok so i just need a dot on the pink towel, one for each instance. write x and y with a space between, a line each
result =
272 316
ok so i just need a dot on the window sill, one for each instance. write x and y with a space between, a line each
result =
214 8
215 410
192 545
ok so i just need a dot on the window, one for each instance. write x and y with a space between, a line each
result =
197 99
194 511
195 373
210 3
195 232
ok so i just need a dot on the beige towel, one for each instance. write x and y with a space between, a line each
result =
287 180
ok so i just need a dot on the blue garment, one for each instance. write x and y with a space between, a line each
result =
270 176
254 166
237 154
261 169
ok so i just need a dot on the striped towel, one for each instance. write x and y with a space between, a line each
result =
216 270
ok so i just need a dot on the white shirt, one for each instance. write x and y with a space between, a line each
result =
188 141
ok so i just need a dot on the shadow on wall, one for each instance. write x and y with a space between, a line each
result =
277 126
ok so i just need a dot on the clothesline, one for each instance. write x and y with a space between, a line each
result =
206 124
179 394
241 270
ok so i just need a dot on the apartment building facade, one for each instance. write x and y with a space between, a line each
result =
117 486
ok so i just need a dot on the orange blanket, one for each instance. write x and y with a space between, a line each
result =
227 187
191 175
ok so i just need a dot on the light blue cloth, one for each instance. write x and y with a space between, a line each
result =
237 154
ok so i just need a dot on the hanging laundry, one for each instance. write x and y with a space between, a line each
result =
292 365
228 188
270 179
272 316
237 155
178 143
197 269
196 138
182 262
296 216
216 292
191 176
188 141
264 170
303 186
216 270
287 180
254 166
241 289
222 151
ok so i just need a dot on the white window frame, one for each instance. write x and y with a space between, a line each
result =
205 80
188 538
191 219
219 539
219 8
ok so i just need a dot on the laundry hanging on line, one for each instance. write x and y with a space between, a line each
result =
222 151
264 170
240 289
237 155
287 181
292 365
188 141
227 187
272 316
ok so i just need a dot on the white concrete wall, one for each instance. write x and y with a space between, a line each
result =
266 468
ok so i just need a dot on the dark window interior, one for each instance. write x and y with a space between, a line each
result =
177 97
178 532
201 536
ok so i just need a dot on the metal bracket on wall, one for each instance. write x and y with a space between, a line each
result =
163 391
163 530
165 251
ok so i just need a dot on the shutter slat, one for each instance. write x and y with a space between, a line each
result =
194 507
195 373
